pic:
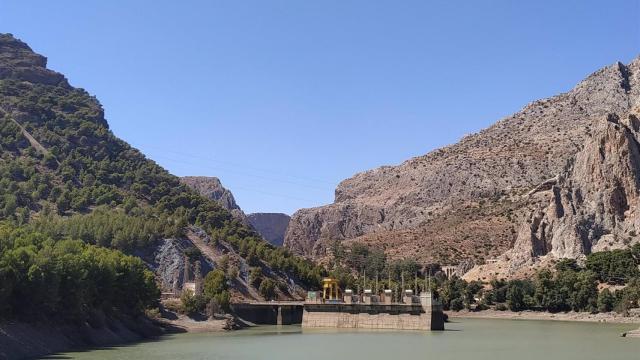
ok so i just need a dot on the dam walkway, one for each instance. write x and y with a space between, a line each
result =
270 312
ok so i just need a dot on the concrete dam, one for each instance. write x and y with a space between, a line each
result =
367 311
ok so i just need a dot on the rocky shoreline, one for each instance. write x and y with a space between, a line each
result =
610 317
22 340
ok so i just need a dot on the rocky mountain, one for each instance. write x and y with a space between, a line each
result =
211 188
272 226
467 201
64 174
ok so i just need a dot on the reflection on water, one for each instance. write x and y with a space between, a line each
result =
472 339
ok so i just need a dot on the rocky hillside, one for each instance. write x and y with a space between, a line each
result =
271 226
467 200
211 188
64 174
591 206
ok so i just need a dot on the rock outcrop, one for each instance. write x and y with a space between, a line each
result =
211 187
21 63
271 226
467 200
594 204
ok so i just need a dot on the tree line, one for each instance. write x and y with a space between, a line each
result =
568 286
68 279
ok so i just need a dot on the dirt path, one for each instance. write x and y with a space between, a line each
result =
36 145
205 249
208 252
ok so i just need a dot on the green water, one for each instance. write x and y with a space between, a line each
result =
467 339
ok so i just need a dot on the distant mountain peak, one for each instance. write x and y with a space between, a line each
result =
272 226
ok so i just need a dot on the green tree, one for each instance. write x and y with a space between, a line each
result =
584 295
216 289
606 301
268 289
192 304
255 276
519 295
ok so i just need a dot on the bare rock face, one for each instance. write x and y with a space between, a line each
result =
211 187
477 186
18 61
594 205
271 226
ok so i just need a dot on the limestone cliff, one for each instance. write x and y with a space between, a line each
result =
590 206
467 200
271 226
211 187
594 202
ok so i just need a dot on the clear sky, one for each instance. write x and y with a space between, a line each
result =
283 99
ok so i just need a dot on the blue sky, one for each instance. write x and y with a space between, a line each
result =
284 99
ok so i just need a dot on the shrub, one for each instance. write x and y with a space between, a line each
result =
192 304
457 304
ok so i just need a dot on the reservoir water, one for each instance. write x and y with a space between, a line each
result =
464 339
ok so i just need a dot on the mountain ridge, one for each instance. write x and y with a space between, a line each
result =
466 200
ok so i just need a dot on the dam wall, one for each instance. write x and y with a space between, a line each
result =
418 313
358 316
415 313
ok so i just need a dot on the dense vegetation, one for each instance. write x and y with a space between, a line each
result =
68 279
568 287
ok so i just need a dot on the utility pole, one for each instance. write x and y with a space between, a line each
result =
426 284
396 295
364 280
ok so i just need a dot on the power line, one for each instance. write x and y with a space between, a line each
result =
243 166
244 173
